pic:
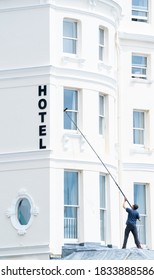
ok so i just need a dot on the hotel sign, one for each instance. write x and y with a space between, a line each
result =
42 106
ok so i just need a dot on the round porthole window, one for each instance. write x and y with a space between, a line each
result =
24 211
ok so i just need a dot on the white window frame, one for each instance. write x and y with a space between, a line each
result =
142 225
140 9
72 222
141 67
103 209
70 111
101 116
101 45
73 40
140 129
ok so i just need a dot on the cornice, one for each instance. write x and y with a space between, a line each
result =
136 37
91 10
6 76
137 166
21 160
19 8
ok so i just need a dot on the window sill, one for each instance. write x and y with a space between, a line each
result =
142 81
102 65
73 59
73 135
70 241
139 149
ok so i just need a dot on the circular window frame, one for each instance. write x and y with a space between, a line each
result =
12 212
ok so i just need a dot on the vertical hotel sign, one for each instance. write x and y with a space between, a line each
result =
42 106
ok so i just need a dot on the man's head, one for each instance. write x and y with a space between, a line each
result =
135 206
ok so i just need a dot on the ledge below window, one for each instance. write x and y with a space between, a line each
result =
142 81
68 136
67 59
141 150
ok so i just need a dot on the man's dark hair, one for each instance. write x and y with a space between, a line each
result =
135 206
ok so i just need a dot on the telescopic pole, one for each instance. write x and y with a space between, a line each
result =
65 111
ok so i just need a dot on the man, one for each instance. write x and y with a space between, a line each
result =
133 216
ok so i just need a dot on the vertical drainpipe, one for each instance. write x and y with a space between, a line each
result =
117 46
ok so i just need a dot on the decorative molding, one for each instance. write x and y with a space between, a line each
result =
102 65
92 3
16 7
77 60
136 37
17 73
137 166
68 136
25 156
11 212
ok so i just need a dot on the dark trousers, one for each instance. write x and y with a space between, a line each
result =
131 228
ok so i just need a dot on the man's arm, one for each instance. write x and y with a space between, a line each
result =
124 203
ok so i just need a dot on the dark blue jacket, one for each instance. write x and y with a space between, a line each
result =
133 215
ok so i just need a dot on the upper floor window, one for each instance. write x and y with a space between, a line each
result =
101 44
101 114
139 127
140 10
69 36
71 204
70 102
139 66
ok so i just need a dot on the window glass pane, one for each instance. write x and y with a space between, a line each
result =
101 105
102 192
139 14
139 71
140 3
138 119
101 125
101 52
70 222
138 137
102 224
141 228
70 188
140 197
101 37
70 29
69 46
68 124
70 99
139 60
24 211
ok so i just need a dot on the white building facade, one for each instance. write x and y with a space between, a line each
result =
96 59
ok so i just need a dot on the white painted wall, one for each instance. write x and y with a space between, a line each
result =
31 54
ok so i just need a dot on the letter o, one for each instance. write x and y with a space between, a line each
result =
42 104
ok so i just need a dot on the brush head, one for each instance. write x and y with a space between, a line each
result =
65 109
